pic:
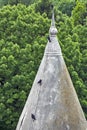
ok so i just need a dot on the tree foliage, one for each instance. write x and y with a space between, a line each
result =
15 2
44 6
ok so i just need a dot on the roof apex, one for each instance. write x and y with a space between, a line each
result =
53 29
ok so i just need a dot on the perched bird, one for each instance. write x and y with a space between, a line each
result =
49 39
40 82
33 117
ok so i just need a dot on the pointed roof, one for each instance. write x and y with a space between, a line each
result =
52 103
53 30
53 47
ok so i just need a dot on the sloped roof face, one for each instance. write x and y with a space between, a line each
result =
52 101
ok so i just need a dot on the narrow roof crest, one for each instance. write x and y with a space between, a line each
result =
53 30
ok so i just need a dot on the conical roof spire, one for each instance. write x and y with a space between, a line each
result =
53 48
52 103
53 30
53 19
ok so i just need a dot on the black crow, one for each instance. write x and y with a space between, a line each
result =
49 39
40 82
33 117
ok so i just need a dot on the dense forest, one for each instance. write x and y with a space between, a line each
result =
24 27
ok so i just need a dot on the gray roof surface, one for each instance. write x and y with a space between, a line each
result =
54 102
